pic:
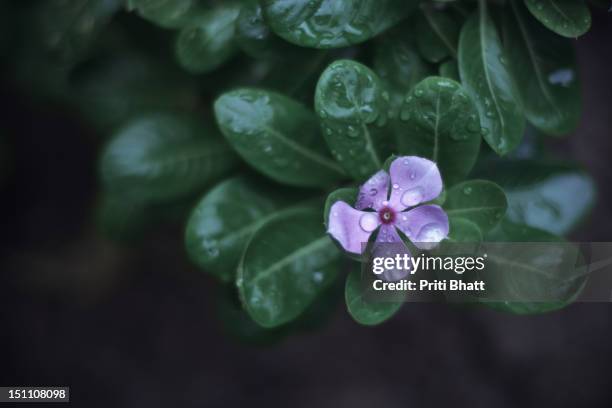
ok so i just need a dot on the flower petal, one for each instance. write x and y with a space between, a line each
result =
388 245
351 227
373 192
425 226
415 180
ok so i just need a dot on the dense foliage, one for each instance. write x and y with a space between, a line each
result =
256 116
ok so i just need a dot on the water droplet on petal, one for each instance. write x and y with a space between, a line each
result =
395 186
412 197
430 235
368 222
373 191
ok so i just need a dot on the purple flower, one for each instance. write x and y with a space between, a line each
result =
395 201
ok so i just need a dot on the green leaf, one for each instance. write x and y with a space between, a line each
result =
437 35
278 136
531 278
545 70
441 123
346 194
352 104
479 201
166 13
161 157
449 69
551 196
224 220
209 40
333 24
569 18
482 65
288 262
362 310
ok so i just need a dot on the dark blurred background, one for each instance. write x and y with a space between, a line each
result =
138 326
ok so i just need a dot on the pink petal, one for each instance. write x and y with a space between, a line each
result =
388 245
415 180
351 227
425 226
373 192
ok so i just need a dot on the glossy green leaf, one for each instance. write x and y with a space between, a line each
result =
440 122
287 263
545 70
479 201
569 18
449 69
346 194
352 103
362 310
520 280
166 13
332 23
209 40
484 73
437 35
278 136
551 196
224 220
162 157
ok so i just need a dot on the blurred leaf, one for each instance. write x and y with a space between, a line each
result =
333 24
288 262
224 220
166 13
545 70
522 276
161 157
550 196
437 35
479 201
440 122
482 65
69 28
362 310
118 87
450 69
463 230
278 136
569 18
398 64
352 104
209 40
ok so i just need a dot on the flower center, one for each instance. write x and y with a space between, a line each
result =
387 215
